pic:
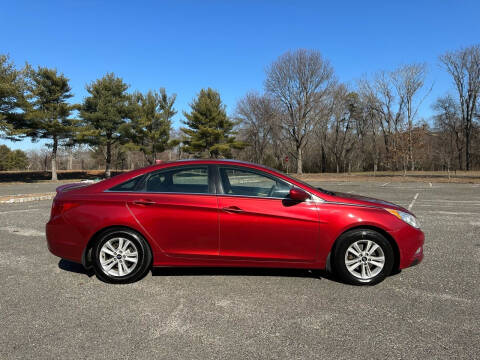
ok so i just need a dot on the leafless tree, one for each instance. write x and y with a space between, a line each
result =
370 118
257 114
387 106
464 67
408 81
449 120
299 81
341 126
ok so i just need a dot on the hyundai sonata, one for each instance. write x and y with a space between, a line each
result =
225 213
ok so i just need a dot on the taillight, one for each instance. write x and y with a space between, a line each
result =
66 205
55 209
59 207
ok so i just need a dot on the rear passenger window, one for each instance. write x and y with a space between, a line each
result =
192 180
129 185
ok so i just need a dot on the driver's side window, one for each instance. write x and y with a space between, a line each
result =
248 183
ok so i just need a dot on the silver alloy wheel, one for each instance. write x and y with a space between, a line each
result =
118 257
364 259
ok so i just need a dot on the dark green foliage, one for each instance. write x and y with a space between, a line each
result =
47 112
150 124
209 131
4 152
12 160
12 87
103 113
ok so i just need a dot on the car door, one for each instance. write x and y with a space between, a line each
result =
259 222
178 208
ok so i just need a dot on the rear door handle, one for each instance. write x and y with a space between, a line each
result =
144 202
233 209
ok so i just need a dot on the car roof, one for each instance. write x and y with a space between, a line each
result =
211 161
223 162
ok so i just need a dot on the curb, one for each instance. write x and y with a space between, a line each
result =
10 199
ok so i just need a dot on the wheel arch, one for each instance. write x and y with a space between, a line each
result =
86 255
389 237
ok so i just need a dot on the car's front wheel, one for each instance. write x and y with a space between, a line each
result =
121 256
363 257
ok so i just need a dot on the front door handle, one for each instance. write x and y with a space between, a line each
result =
144 202
233 209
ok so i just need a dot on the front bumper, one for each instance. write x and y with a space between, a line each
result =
410 243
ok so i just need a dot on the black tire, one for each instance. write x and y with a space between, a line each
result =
144 259
340 256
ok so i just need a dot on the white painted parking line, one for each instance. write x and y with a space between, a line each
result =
413 202
452 212
429 294
385 184
406 188
15 211
22 231
453 201
447 205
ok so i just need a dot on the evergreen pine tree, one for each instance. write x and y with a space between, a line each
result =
12 88
103 114
12 160
209 131
47 112
150 124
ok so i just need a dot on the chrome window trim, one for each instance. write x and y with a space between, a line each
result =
156 192
314 198
254 197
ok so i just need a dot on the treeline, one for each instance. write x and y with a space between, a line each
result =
305 120
306 115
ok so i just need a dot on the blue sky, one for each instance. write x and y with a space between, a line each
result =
187 45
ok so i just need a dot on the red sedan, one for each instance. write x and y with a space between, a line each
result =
227 213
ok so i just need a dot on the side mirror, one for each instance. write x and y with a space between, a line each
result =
298 194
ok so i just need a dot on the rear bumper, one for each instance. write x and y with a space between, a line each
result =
410 243
63 241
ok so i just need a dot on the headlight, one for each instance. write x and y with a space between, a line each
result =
408 218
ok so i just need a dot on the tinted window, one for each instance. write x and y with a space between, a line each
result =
249 183
193 180
129 185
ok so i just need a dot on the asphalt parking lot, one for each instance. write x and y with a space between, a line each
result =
52 309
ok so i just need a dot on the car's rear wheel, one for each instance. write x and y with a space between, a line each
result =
121 256
363 257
